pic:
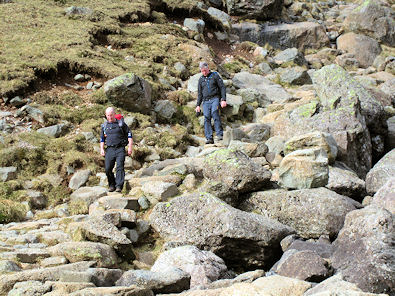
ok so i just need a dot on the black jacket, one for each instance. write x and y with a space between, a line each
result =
115 133
210 86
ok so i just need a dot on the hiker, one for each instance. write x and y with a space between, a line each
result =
211 91
116 134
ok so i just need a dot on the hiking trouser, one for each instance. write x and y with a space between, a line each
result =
211 110
115 154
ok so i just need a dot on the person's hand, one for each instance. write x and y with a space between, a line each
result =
223 104
102 152
130 150
197 109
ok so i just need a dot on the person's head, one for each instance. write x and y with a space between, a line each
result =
204 68
110 114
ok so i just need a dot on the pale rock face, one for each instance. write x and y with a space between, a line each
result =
303 169
385 196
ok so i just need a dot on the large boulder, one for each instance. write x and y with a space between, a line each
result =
258 83
270 285
203 267
301 169
88 194
129 92
382 171
344 102
301 35
364 250
311 212
103 254
236 170
385 196
318 140
163 281
303 265
364 48
345 181
373 19
254 9
207 222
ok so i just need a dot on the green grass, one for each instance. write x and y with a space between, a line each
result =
38 40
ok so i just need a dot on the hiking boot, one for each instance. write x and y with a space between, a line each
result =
119 189
111 189
210 141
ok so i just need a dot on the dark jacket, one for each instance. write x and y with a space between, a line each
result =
115 133
210 86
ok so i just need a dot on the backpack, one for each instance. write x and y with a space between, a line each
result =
121 122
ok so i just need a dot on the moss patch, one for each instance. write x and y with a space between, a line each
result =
11 211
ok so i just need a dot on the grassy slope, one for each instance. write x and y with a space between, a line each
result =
37 36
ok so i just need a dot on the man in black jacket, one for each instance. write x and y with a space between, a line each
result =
212 92
113 133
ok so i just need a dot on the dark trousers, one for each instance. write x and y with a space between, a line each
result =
211 109
115 154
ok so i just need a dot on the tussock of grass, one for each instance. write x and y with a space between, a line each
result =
11 211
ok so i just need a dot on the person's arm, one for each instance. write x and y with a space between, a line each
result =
200 96
102 140
222 89
130 138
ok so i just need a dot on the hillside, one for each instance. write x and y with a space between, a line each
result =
296 199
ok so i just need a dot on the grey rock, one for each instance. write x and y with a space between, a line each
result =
79 179
221 16
251 95
102 254
345 181
7 282
8 266
168 281
389 88
302 169
364 49
256 132
104 277
114 202
275 144
314 140
325 250
289 55
203 267
17 102
264 68
129 91
193 83
372 19
88 194
252 9
385 196
75 10
98 230
265 87
236 170
194 25
76 277
32 288
311 212
303 265
33 113
30 255
220 228
90 137
364 252
144 203
382 171
250 149
165 109
159 191
106 291
301 35
335 285
53 261
54 131
295 76
7 173
341 98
